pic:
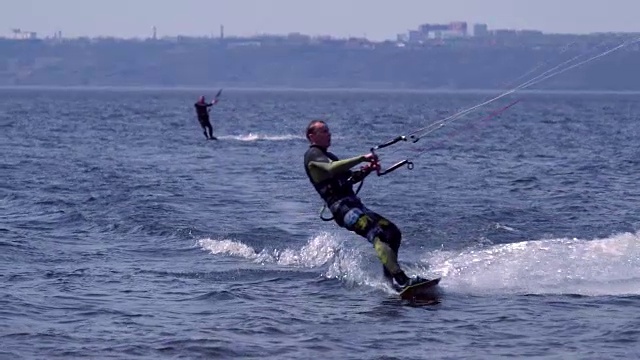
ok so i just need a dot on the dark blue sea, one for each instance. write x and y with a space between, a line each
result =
124 234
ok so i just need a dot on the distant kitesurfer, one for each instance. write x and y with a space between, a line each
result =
202 110
333 179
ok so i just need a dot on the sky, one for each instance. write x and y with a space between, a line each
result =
375 19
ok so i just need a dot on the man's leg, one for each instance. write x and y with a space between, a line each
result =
204 131
210 129
383 234
203 125
393 234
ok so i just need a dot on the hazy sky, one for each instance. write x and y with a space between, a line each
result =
375 19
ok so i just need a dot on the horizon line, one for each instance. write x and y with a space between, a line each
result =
183 88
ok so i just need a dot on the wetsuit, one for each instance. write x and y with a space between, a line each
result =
333 180
203 117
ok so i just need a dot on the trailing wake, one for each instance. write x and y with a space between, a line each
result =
609 266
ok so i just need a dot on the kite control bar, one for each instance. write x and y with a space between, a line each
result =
395 166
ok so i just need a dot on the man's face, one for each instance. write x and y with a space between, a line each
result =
321 135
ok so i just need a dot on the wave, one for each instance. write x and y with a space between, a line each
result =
599 267
325 251
263 137
317 252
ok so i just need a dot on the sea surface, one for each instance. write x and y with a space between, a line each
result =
124 234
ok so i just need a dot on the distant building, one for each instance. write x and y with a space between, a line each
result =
402 38
298 38
416 36
440 31
504 33
458 29
480 30
427 29
530 33
24 35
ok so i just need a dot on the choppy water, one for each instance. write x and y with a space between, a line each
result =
125 234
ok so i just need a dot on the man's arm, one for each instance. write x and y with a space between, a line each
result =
333 168
203 105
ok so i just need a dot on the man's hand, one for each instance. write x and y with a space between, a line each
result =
371 157
373 165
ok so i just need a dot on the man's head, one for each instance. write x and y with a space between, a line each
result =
201 99
318 133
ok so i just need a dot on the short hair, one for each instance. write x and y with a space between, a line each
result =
312 126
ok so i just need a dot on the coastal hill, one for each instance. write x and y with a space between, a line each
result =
298 61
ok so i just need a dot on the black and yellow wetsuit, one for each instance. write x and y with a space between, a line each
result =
333 179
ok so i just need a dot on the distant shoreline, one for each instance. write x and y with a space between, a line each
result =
311 90
460 66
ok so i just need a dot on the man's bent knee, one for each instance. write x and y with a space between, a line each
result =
356 220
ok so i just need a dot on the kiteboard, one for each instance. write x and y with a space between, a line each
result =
423 290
